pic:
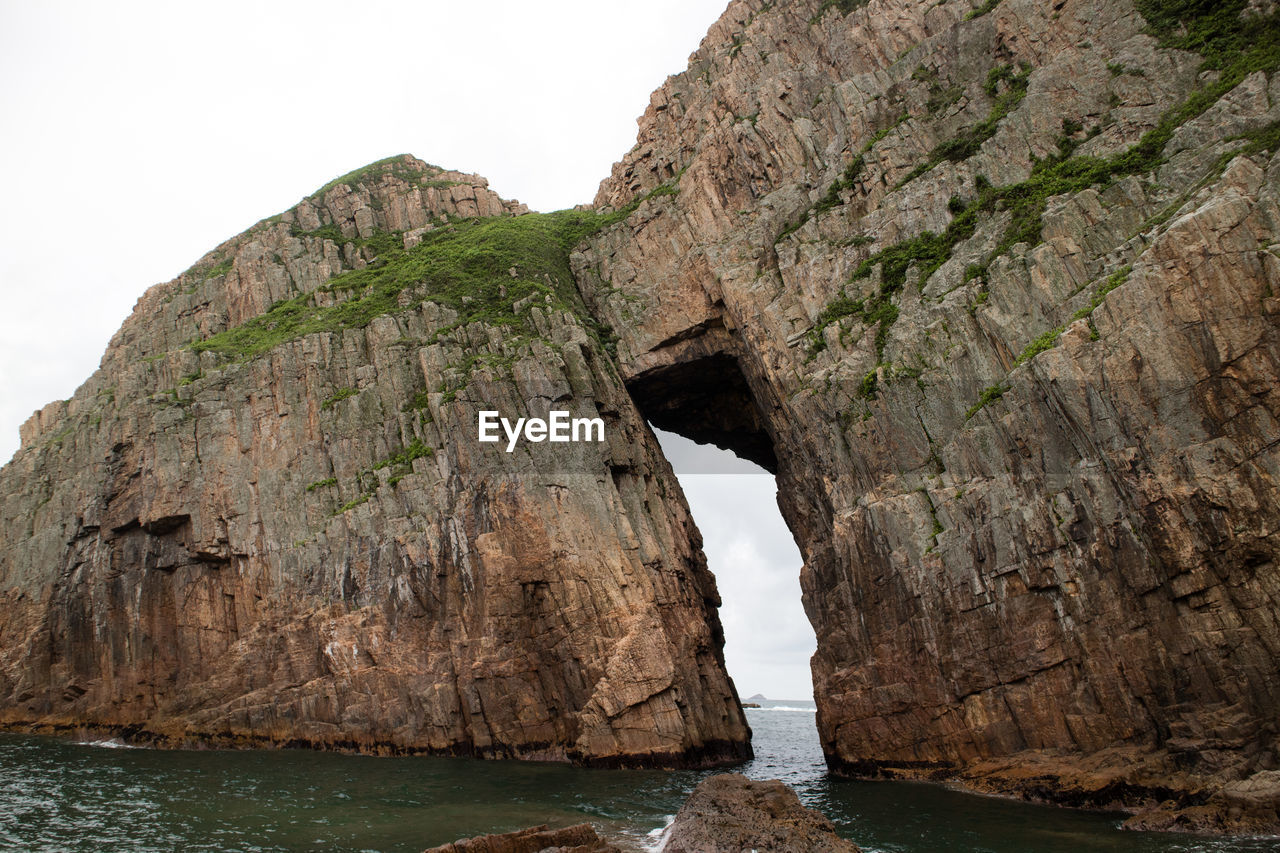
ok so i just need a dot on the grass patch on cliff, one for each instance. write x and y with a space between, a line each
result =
221 268
321 484
844 7
1008 87
986 7
401 465
847 178
399 165
198 274
480 267
1215 29
340 395
989 395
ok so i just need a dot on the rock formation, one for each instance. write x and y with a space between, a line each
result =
993 288
729 813
266 518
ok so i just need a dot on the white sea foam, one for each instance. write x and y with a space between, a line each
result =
108 743
656 839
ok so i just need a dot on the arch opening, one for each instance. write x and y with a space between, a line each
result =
708 401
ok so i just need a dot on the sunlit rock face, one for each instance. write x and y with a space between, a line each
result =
993 288
267 519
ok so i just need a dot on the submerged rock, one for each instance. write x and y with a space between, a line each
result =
572 839
729 813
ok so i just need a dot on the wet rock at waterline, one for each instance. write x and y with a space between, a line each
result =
729 813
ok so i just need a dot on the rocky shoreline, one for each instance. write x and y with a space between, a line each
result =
728 813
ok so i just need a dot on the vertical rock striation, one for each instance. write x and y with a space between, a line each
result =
993 288
266 518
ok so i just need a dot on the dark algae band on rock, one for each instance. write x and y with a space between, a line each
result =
991 287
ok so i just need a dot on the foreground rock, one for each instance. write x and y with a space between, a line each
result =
730 813
573 839
267 520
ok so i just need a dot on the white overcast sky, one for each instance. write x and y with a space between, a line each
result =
768 639
137 136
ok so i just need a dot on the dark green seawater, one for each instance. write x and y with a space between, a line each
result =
60 796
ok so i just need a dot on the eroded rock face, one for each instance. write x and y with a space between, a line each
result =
1024 416
288 533
729 813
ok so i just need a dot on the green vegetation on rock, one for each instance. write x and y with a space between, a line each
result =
989 395
221 268
867 388
481 268
340 395
203 271
401 465
401 166
1218 30
1233 45
843 6
1048 340
982 10
320 484
1008 88
845 182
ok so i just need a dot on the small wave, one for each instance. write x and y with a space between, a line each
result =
786 708
108 743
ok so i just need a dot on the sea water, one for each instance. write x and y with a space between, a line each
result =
56 795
